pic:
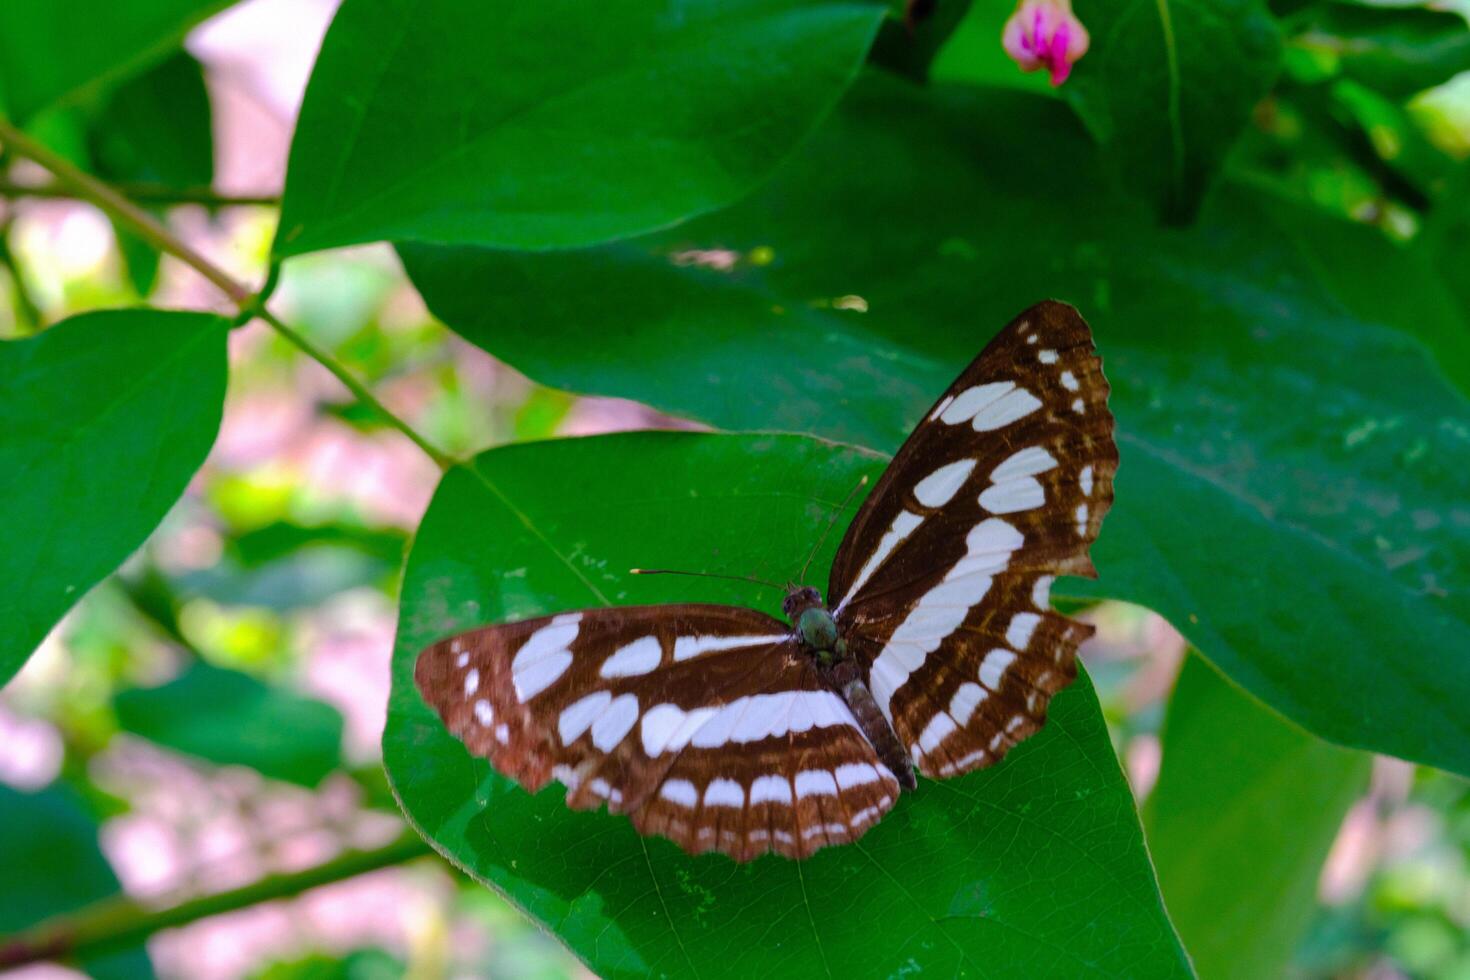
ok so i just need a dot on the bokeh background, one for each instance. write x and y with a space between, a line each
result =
283 559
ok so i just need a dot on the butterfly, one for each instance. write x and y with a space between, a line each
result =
934 652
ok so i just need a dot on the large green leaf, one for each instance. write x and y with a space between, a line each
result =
1037 864
1167 86
541 125
230 718
1239 824
68 51
105 416
1292 487
51 864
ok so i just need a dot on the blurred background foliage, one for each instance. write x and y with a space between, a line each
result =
209 716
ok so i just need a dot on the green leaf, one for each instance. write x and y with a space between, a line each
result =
56 52
230 718
908 43
1397 50
106 417
1244 812
1037 864
155 128
1167 86
1292 486
51 865
543 125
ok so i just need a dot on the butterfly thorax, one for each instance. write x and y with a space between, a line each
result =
817 630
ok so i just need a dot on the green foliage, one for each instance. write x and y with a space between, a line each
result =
106 417
68 51
1226 505
1397 51
51 864
230 718
708 208
1239 824
993 867
1167 86
539 126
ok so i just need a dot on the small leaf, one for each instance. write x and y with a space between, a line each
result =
1240 822
230 718
106 417
1397 50
55 52
911 37
1167 86
552 124
51 865
1292 484
1037 864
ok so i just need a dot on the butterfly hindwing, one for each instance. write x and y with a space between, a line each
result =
942 582
704 723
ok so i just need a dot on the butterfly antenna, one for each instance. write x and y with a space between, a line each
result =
733 578
828 529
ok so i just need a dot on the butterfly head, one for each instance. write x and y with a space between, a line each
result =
799 599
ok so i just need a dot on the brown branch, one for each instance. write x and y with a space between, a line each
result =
143 194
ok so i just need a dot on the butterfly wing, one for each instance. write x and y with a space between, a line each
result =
942 582
704 723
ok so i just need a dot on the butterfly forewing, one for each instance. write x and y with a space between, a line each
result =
942 582
705 724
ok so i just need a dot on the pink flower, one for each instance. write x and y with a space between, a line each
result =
1045 33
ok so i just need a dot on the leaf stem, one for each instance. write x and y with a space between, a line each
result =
120 921
88 188
143 193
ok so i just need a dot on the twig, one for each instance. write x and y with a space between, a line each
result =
150 229
120 921
144 194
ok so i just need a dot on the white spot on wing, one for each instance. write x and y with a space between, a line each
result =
770 789
724 792
633 659
966 699
502 733
614 723
815 782
668 726
972 400
1047 357
939 487
1022 493
1023 624
462 659
575 718
680 791
544 656
1081 518
1006 409
851 774
939 727
471 682
1041 592
1069 381
484 713
1078 406
993 667
943 404
1084 479
688 647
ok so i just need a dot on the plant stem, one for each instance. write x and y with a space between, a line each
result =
27 313
120 921
88 188
443 460
143 194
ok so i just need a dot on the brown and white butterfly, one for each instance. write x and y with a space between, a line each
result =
726 729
